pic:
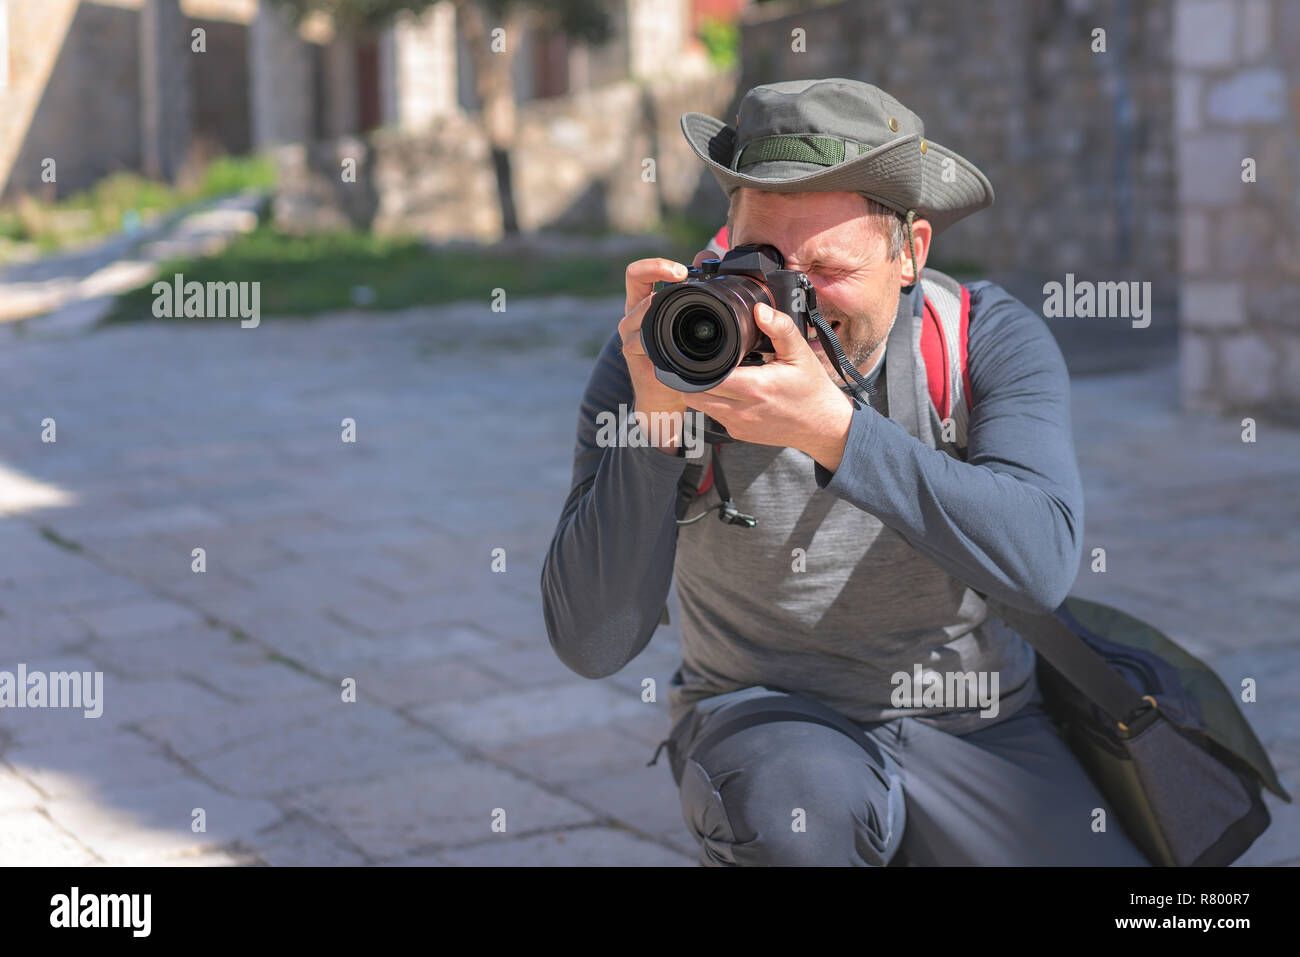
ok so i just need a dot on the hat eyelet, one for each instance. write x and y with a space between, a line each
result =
893 124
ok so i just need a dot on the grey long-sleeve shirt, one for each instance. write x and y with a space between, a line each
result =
1006 522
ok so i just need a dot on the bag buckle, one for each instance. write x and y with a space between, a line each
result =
1140 719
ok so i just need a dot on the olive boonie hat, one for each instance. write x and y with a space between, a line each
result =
807 136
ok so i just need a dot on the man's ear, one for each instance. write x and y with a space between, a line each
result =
921 235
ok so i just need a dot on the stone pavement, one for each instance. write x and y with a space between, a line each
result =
372 560
71 291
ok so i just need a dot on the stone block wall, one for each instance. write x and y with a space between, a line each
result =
102 87
220 88
165 59
83 109
579 163
281 80
1237 78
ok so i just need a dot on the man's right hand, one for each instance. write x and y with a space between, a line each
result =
651 394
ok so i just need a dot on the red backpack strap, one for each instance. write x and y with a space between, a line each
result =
934 350
718 244
945 333
962 342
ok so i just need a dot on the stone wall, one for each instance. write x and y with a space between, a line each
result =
582 160
106 87
1077 144
1238 84
423 66
86 114
579 163
165 66
219 86
281 80
313 194
35 38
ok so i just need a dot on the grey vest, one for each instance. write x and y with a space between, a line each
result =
822 598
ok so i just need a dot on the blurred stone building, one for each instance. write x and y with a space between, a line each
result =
106 85
1237 140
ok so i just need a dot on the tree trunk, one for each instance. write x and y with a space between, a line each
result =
496 95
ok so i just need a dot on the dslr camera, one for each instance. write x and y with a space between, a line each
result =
698 330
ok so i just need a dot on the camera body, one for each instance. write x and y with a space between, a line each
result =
700 329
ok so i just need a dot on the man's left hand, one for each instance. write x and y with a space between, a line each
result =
788 401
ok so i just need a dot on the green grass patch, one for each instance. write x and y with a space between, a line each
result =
307 275
122 199
231 174
721 38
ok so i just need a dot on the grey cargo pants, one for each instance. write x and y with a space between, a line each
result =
796 792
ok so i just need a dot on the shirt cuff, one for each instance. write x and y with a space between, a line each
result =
858 448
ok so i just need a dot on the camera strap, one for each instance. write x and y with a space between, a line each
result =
727 508
846 369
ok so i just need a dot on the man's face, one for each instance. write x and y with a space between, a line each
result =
830 237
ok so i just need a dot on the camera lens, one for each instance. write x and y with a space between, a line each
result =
696 333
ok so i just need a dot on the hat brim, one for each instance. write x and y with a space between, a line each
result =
943 187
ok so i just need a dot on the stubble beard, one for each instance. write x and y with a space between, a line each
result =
856 350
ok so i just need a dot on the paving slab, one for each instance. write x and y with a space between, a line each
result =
181 651
649 725
36 634
419 684
581 847
37 724
71 592
118 619
28 838
82 768
437 805
16 793
373 561
527 665
154 823
353 743
520 715
573 756
218 857
199 734
298 841
644 797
